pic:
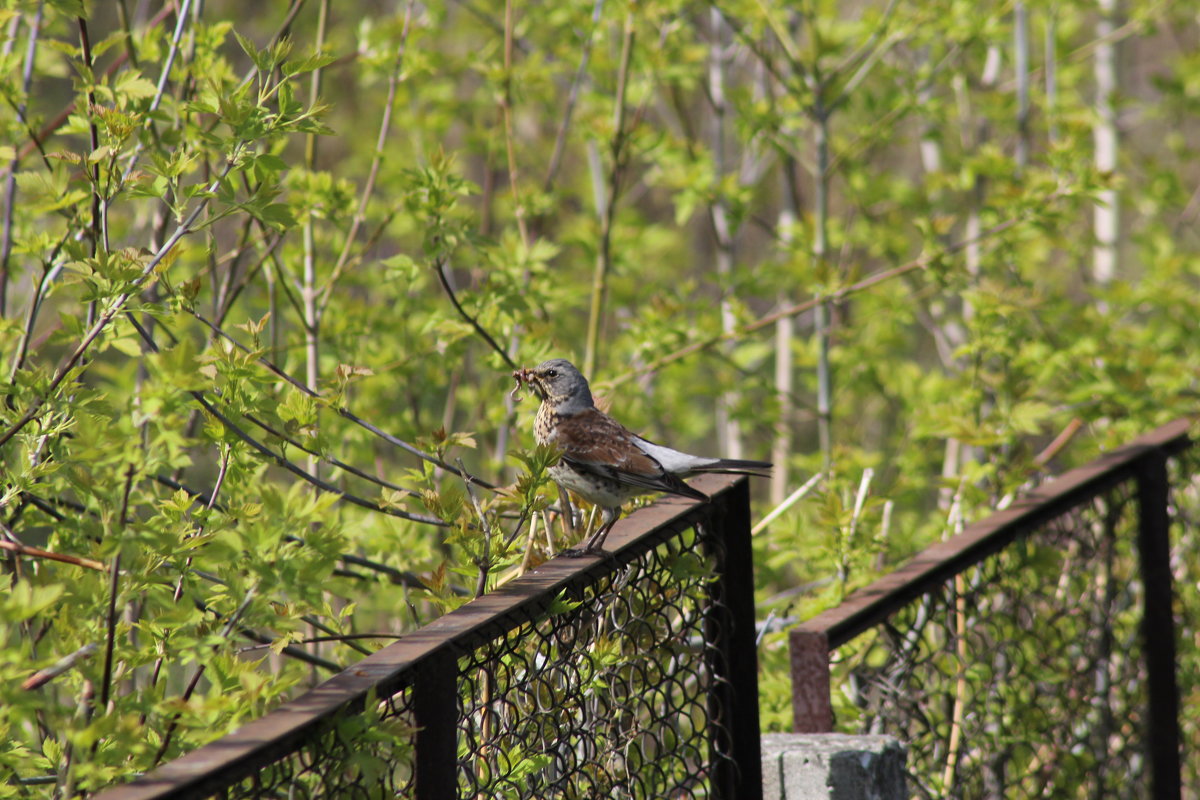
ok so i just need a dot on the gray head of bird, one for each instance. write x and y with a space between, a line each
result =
558 383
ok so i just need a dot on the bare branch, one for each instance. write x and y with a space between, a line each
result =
44 676
281 461
560 138
920 263
344 412
37 552
10 181
440 267
373 173
119 302
608 207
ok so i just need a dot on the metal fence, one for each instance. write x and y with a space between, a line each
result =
631 676
1034 654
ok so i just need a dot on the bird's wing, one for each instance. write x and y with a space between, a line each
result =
595 443
671 459
687 464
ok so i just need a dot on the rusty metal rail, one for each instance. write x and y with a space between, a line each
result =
632 675
1077 572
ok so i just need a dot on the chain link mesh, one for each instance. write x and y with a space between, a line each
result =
363 756
605 698
1023 676
606 694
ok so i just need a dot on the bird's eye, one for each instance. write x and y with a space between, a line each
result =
551 373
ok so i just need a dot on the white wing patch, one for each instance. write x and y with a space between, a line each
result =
673 460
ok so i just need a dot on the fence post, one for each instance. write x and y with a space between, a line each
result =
435 712
733 654
812 711
1158 627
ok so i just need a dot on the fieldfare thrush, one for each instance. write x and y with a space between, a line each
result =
602 461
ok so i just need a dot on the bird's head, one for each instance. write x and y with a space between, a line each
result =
558 383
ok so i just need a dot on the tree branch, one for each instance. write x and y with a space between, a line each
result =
37 552
923 262
119 302
344 412
440 268
44 676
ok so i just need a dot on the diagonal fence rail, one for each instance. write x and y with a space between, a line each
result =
631 676
1035 653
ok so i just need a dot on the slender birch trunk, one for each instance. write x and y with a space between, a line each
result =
729 435
785 332
823 310
1021 67
1106 219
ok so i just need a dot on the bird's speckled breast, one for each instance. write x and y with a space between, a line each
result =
544 424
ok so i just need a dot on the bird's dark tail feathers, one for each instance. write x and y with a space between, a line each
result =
738 466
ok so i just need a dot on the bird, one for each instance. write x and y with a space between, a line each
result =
601 460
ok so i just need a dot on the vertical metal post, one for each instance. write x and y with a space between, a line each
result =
812 710
1158 627
435 711
731 652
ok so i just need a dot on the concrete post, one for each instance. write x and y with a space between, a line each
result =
832 766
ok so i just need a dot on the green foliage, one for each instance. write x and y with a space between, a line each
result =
213 211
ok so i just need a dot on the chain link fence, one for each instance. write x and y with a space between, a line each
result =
625 677
1021 677
604 698
1028 658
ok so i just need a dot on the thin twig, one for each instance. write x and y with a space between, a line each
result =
860 501
38 138
920 263
336 462
608 208
159 89
440 268
191 687
294 651
1062 440
37 552
98 227
44 676
303 474
119 302
560 139
344 412
10 181
282 461
791 500
527 559
864 57
320 639
373 173
484 563
114 584
308 292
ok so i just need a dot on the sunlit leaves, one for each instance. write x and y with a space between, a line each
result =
993 347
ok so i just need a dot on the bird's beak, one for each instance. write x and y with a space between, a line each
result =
527 377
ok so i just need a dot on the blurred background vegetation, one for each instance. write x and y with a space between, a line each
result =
920 254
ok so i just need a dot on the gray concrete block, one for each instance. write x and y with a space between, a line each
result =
832 766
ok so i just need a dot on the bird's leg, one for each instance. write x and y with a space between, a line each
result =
593 546
567 513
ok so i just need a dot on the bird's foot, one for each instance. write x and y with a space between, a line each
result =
583 552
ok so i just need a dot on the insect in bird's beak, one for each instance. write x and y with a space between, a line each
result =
522 377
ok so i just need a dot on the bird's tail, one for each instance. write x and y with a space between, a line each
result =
739 466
